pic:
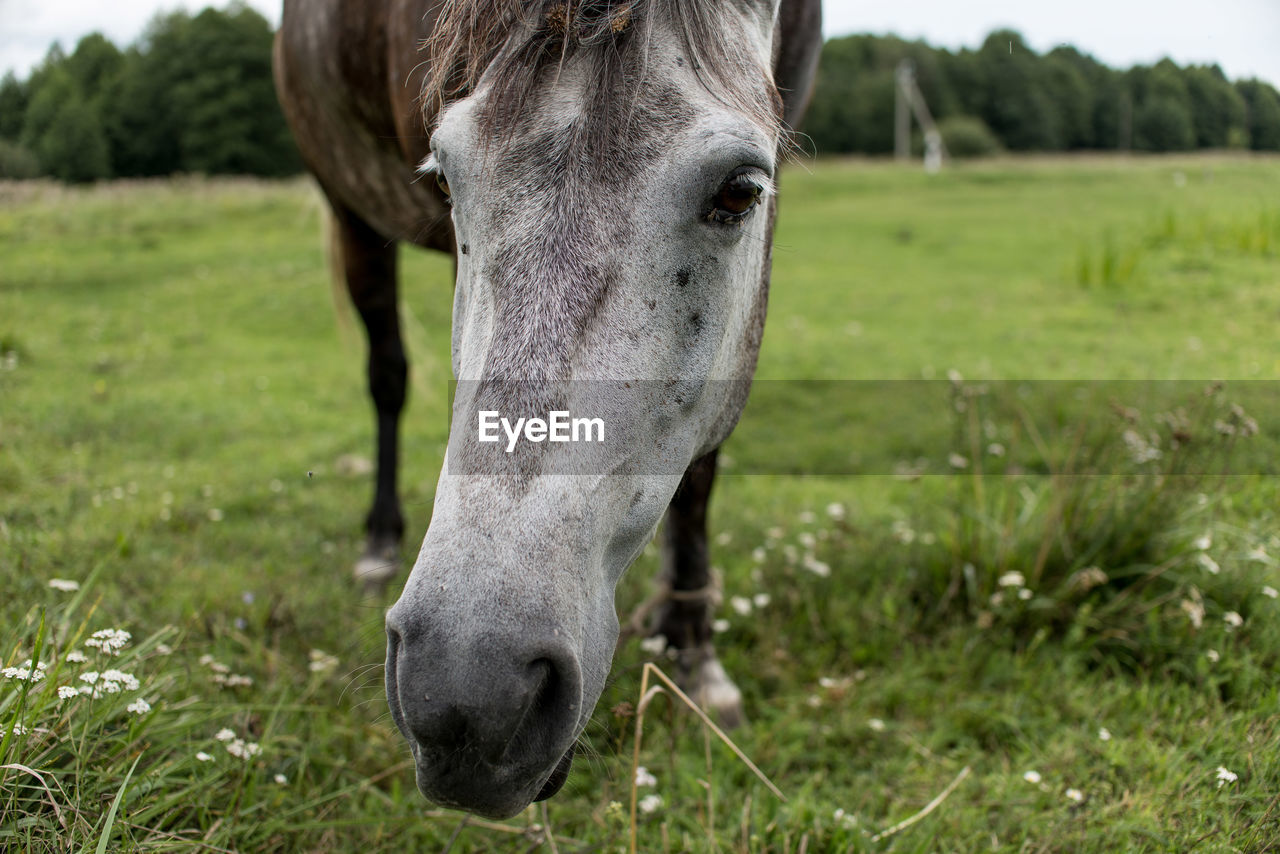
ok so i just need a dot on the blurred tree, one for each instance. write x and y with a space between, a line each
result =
1013 101
1217 109
1263 107
14 96
1070 94
94 65
1162 123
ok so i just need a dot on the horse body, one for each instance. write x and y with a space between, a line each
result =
610 169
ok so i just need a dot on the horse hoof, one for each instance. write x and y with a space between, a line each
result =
710 687
377 566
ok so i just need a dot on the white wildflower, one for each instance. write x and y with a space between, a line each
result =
1024 594
813 701
164 649
876 725
106 686
139 707
741 604
1269 591
774 533
1195 612
724 538
1104 734
204 757
995 449
206 659
817 567
807 517
836 511
64 584
19 729
109 641
958 461
720 626
1075 795
650 803
807 539
76 656
1225 776
26 672
1233 620
1012 579
1031 776
1213 656
1203 542
760 600
89 676
644 778
66 692
225 734
242 749
1209 564
127 679
281 780
1258 553
320 661
215 514
997 599
757 554
844 819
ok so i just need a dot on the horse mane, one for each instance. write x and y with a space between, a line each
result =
514 41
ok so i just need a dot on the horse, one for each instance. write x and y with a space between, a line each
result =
603 173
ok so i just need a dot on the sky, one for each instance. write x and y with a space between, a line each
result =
1243 36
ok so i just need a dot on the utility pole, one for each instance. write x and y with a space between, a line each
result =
910 100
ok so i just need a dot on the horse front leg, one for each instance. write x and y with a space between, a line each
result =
685 615
369 265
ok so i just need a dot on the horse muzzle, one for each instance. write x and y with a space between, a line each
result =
491 719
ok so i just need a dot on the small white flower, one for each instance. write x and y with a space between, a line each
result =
1024 594
836 511
997 599
757 554
760 600
215 514
1208 564
1233 620
139 707
724 538
995 449
807 517
281 780
225 734
1257 553
807 540
958 461
25 672
1104 734
89 676
1225 776
655 645
164 649
844 819
741 604
204 757
827 682
1213 656
206 659
644 778
127 679
1195 612
813 701
106 686
66 692
19 729
1012 579
321 661
817 567
1269 591
720 626
1203 542
242 749
650 803
876 725
1031 776
774 533
76 656
109 641
1075 795
64 584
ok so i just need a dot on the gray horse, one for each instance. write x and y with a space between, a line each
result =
603 173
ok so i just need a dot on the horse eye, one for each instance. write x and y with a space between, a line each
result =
443 183
735 198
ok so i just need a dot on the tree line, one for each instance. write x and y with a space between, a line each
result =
195 94
1005 95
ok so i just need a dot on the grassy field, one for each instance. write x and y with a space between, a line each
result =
184 433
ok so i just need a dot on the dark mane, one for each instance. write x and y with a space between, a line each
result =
516 41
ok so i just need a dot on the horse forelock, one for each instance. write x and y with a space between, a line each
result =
510 42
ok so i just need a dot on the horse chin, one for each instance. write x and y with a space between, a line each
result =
557 778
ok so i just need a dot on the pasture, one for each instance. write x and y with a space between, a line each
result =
184 432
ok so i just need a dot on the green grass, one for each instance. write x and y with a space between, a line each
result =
180 413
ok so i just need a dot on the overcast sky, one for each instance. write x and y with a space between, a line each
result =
1243 36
